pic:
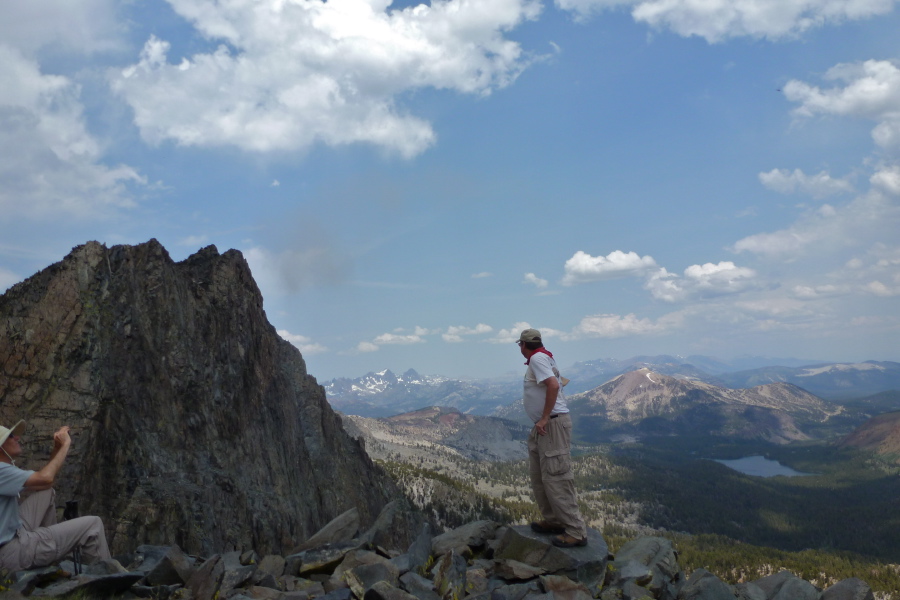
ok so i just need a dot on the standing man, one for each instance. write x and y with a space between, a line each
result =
550 463
30 537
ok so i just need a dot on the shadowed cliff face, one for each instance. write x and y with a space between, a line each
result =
193 421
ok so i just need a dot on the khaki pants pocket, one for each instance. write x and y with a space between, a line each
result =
557 462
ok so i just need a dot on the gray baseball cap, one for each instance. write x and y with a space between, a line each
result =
530 335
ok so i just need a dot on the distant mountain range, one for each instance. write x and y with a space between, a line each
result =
645 403
384 394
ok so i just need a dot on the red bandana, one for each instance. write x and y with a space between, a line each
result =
544 350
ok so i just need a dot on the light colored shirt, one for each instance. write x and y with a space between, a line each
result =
12 480
540 368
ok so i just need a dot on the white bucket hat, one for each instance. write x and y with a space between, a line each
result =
17 429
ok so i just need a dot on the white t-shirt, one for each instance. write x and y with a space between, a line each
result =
540 368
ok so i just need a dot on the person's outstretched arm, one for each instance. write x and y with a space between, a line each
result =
43 479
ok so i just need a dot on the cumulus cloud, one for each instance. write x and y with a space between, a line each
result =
887 180
302 343
366 347
871 217
536 281
455 334
706 280
617 326
289 75
717 21
817 186
870 90
51 163
583 267
815 292
86 26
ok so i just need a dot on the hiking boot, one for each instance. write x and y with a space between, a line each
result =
567 541
545 527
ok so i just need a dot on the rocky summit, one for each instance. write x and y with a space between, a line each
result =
192 421
482 560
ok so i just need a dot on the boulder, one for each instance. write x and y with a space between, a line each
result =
849 589
784 585
339 530
463 539
703 585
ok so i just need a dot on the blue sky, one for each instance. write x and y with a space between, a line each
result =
414 184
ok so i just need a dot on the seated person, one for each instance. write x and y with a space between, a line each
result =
30 537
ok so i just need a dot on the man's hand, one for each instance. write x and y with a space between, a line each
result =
43 479
542 425
61 440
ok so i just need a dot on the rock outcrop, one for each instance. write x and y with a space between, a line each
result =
193 422
481 560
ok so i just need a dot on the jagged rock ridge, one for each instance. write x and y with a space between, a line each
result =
193 421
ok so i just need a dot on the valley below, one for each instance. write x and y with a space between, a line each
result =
658 474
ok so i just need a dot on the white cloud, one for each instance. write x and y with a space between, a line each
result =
51 164
454 334
86 26
721 19
871 217
194 241
871 91
394 338
583 267
366 347
887 179
815 292
302 343
817 186
482 275
880 289
536 281
705 281
617 326
289 75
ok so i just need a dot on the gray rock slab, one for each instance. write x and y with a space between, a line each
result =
471 535
420 587
703 585
324 559
849 589
363 577
564 588
450 575
382 590
749 591
204 583
339 530
516 591
586 564
91 586
271 564
420 550
235 577
163 565
512 570
784 585
657 554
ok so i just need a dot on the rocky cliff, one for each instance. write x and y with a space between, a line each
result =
193 422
